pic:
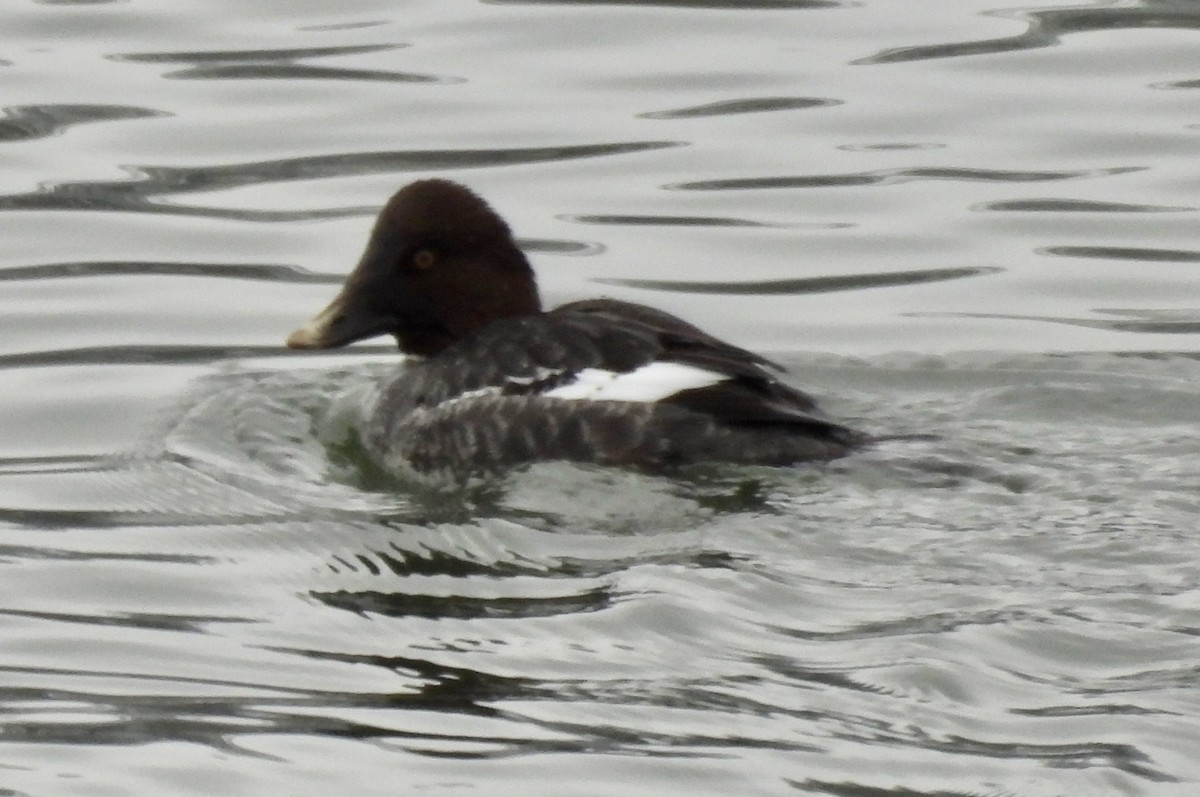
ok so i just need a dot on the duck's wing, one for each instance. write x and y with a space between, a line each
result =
598 381
607 350
741 387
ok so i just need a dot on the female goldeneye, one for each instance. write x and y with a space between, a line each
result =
500 382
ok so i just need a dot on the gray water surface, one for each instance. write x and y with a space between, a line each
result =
968 223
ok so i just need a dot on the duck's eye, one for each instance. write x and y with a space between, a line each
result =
423 259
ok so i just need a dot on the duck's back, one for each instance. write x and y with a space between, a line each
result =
595 381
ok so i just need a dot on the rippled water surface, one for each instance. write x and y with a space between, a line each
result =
975 223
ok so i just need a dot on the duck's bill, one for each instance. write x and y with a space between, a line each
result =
339 324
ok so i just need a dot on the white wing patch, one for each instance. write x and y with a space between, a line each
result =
542 374
649 383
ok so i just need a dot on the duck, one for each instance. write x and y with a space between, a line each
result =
494 382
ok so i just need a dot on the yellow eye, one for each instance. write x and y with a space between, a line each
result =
424 259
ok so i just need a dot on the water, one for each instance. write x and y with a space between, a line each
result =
959 219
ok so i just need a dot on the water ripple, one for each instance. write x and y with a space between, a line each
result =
192 624
1050 205
462 607
1148 321
894 176
25 122
276 64
725 618
742 106
265 272
802 285
749 5
101 268
1149 254
155 181
1047 27
162 355
662 221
